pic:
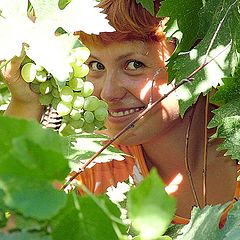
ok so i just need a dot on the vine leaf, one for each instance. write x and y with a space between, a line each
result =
87 218
230 131
83 146
150 208
148 5
25 236
44 47
77 15
227 116
208 218
218 46
31 161
186 14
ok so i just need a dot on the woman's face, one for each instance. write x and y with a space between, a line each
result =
122 74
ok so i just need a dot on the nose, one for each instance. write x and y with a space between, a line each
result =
113 88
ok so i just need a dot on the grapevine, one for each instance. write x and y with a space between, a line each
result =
80 111
215 27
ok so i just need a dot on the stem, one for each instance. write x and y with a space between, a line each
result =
186 159
4 64
204 177
153 81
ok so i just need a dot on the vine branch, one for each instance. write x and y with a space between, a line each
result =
204 173
186 159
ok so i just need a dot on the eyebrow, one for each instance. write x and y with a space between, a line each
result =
122 56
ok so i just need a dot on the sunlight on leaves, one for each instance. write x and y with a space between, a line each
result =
150 208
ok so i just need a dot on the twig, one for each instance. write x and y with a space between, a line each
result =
204 173
131 124
186 159
5 63
153 81
217 30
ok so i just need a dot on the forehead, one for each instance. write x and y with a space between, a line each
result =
124 48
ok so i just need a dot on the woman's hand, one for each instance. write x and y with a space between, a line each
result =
24 102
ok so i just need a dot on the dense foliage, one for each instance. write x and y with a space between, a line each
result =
35 161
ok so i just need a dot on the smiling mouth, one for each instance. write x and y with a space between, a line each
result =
125 112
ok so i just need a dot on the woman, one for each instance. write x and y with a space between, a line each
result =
123 67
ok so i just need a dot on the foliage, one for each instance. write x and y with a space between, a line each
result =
42 44
35 161
213 25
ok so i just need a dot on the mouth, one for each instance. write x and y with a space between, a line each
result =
125 112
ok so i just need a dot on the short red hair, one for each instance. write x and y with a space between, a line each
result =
131 22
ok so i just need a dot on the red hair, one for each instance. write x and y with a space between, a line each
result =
131 22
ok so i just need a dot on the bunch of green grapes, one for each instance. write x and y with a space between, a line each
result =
80 110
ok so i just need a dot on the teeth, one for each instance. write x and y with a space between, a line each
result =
126 112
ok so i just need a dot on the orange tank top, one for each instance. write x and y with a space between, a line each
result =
103 175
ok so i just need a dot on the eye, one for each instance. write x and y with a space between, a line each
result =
134 65
96 66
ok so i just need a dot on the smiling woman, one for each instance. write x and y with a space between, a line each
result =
128 70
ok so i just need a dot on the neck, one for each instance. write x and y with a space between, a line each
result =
166 152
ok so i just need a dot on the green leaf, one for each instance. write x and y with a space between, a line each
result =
24 236
219 45
32 198
85 218
229 130
204 224
150 208
31 150
32 159
148 5
186 14
229 90
83 146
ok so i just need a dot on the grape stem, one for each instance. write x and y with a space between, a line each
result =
5 63
150 106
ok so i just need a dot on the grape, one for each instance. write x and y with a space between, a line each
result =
28 72
78 101
88 127
45 87
66 94
39 67
35 87
45 99
87 89
55 93
75 114
88 116
55 102
53 82
64 108
41 76
66 129
91 103
77 123
80 54
101 114
80 70
99 124
76 84
103 104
